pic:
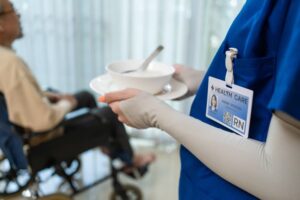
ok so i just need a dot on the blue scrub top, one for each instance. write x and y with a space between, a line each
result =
267 36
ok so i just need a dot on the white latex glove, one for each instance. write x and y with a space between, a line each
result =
135 108
190 77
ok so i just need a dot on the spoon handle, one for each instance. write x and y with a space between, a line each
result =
150 58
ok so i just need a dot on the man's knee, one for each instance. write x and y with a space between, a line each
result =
85 99
84 94
105 113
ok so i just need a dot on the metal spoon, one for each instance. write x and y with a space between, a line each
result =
146 62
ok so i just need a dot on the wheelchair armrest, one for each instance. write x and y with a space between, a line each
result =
69 118
82 113
75 115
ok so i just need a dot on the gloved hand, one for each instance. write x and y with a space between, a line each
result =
136 108
190 77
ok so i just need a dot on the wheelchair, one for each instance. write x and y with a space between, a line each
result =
61 154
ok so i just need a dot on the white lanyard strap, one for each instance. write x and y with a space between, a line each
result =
230 55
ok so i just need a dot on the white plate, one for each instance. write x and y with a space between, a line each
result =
104 84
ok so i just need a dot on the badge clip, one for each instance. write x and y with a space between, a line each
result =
230 55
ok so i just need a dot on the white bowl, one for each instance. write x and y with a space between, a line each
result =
151 80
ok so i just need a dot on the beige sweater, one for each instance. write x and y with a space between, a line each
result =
27 105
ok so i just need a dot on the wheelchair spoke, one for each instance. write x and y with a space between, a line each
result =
17 182
6 186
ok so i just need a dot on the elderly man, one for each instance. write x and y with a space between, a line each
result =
31 108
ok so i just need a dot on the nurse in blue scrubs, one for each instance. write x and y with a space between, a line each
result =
216 162
267 35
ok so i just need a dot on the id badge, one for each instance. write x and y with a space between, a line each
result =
229 106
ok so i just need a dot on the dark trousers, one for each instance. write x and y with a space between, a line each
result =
101 125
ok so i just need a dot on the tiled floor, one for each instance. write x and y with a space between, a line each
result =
160 182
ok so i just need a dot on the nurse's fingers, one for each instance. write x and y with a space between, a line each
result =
119 95
124 121
115 107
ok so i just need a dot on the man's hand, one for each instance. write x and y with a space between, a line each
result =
55 97
70 98
52 96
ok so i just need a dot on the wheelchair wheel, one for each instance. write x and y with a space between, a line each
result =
68 170
132 193
12 183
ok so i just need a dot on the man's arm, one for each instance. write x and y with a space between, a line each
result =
27 105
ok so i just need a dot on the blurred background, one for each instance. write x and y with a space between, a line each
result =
67 43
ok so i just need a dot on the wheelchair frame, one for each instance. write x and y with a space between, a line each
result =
49 158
